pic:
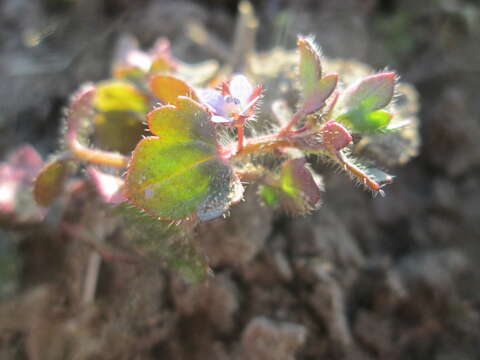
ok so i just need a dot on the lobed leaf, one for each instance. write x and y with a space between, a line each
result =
168 88
179 173
186 121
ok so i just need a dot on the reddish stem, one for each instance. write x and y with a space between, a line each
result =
357 172
96 156
295 119
240 135
257 145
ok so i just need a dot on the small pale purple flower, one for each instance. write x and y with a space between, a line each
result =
234 103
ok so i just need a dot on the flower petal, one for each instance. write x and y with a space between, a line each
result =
240 88
220 119
214 100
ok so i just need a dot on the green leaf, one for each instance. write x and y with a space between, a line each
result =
362 101
179 173
324 88
300 187
371 93
310 67
169 88
268 194
49 182
119 95
366 122
315 89
297 189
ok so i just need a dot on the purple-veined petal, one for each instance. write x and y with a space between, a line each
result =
240 88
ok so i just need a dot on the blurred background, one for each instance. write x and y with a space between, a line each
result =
362 278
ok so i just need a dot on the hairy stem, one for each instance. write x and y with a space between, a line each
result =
240 135
357 172
258 145
295 119
98 157
81 109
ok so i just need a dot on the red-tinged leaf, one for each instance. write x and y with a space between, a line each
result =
335 136
330 137
371 93
79 109
168 88
324 88
49 183
109 187
300 187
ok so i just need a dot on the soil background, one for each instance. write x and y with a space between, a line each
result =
362 278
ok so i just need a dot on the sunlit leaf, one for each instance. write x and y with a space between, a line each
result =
315 88
301 188
366 122
179 173
310 67
297 190
371 93
169 88
119 95
362 101
322 92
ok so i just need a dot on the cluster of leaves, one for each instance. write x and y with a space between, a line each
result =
182 171
190 160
